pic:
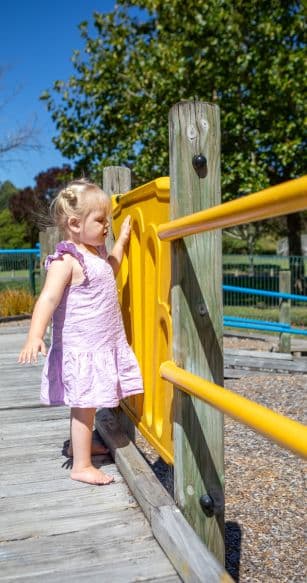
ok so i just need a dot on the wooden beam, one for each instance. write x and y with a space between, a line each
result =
197 320
190 557
116 180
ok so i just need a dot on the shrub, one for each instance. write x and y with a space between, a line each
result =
14 302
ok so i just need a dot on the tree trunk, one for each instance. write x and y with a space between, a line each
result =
294 227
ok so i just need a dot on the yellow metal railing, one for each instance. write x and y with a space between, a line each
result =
287 197
282 430
144 288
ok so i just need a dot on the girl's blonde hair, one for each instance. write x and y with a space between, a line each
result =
78 198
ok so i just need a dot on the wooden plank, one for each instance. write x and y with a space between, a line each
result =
137 473
117 553
116 180
54 528
259 354
38 414
190 557
52 484
36 426
39 469
171 530
297 344
258 362
67 518
106 498
238 373
197 319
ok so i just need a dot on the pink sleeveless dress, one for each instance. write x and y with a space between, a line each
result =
89 363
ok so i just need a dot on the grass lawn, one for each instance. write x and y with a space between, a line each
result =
298 314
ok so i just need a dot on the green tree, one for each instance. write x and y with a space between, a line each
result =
30 205
246 56
7 189
12 233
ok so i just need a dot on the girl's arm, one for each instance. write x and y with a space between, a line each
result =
58 277
116 256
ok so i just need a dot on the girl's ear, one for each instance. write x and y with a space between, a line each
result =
74 224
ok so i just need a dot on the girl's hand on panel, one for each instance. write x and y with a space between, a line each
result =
32 347
125 229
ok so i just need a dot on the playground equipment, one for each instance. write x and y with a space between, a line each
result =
173 316
189 347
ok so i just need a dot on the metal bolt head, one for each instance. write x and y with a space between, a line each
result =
202 309
199 163
207 504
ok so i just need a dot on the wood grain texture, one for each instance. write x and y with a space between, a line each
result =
284 344
190 557
116 180
172 530
54 529
197 319
264 361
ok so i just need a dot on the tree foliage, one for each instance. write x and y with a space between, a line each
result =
246 56
7 189
12 233
30 205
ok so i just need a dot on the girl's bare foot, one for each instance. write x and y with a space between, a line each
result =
96 449
91 475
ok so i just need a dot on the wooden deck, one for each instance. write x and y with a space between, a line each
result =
54 529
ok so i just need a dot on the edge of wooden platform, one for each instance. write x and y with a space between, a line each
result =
189 556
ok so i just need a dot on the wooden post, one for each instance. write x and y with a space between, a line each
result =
32 286
117 180
284 344
197 320
48 240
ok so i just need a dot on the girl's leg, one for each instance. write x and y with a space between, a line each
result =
81 435
97 448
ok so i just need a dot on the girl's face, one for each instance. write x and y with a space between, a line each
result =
94 227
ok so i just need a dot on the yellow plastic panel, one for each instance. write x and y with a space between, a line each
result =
144 288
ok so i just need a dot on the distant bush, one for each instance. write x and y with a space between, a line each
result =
14 302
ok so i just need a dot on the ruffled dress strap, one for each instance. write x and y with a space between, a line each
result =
102 251
60 250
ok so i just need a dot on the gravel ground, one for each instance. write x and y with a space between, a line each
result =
264 491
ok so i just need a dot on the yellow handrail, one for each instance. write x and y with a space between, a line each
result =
288 197
285 431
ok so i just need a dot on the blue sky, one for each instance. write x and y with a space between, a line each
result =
37 38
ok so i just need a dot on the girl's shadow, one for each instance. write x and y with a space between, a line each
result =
98 460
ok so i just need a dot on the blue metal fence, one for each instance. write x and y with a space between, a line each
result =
19 268
251 290
251 283
261 272
258 324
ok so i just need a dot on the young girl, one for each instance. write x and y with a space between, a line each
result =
90 363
